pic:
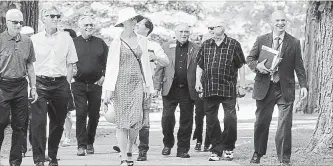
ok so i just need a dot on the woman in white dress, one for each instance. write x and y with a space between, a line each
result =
128 81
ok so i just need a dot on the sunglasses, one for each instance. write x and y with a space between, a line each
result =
16 22
212 28
54 15
91 25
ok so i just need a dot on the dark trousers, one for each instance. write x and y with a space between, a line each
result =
144 131
264 113
56 93
87 98
221 140
199 117
26 128
14 103
182 97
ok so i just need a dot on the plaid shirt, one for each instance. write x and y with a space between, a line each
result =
220 66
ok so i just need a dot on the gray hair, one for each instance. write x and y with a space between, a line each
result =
82 18
49 8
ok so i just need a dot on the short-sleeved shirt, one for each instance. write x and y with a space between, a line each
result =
53 53
220 66
15 54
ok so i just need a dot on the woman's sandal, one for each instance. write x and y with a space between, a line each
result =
124 162
130 163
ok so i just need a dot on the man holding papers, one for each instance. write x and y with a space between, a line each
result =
276 86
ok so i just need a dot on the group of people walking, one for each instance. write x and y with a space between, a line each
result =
129 73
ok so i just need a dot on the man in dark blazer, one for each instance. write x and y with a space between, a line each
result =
177 85
276 86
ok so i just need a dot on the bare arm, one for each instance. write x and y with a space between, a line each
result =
69 73
31 75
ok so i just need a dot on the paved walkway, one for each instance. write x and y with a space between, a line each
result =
105 139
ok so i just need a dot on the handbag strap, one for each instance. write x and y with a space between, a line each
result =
137 58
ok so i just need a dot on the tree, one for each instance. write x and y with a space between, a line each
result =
318 62
29 9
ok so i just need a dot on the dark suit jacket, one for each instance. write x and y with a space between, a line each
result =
164 76
292 61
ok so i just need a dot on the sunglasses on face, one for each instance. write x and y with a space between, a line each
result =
91 25
16 22
54 15
212 28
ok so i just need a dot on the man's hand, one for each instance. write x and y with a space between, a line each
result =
34 95
198 88
155 94
240 92
304 93
108 97
262 68
100 81
152 56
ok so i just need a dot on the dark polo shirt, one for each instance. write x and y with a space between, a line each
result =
92 54
181 64
15 54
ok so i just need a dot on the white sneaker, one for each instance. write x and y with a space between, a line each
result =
228 155
214 157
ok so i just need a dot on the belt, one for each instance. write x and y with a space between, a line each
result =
181 85
52 78
12 79
86 82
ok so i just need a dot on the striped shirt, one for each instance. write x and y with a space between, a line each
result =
220 66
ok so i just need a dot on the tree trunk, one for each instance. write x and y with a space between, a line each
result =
30 12
29 9
319 64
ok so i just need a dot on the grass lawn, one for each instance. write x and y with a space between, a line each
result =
300 139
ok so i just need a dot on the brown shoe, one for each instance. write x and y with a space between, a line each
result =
255 158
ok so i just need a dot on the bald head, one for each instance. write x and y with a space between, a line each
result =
278 22
14 14
277 14
14 21
182 32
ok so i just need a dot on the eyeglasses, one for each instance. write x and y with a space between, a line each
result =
53 15
16 22
91 25
212 28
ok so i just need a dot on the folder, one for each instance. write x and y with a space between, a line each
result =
271 55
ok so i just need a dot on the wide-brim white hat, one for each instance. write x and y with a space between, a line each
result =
126 14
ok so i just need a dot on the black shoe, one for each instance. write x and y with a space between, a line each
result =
53 162
116 148
14 164
166 151
81 152
183 155
142 156
255 158
197 147
206 149
90 149
40 164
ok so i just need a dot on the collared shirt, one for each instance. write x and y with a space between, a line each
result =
53 53
220 66
15 54
92 54
181 63
162 58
